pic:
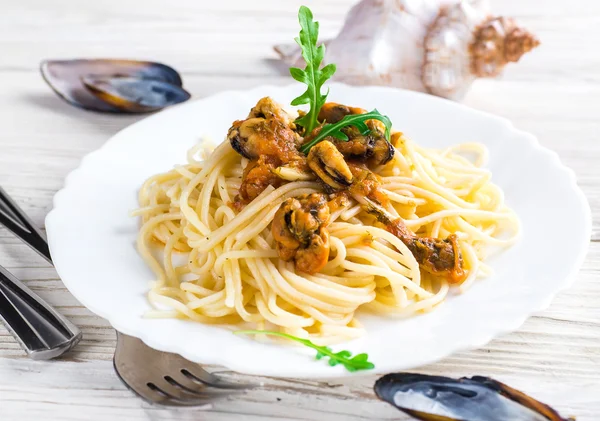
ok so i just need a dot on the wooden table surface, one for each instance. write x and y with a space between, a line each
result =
553 93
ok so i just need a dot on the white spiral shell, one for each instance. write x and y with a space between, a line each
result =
422 45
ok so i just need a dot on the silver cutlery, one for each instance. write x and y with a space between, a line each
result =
158 377
168 379
40 330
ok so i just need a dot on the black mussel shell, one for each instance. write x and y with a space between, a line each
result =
437 398
65 78
134 95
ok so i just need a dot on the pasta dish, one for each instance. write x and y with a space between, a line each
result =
277 238
295 223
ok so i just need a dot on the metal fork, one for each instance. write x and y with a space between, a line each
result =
42 332
158 377
168 379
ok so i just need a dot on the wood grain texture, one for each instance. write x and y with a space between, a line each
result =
553 93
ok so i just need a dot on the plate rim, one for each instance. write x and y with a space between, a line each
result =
470 342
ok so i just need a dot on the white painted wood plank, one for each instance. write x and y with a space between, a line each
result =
553 93
64 391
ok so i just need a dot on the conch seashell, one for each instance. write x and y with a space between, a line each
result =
434 46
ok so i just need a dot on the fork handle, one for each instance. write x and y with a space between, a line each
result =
42 331
17 221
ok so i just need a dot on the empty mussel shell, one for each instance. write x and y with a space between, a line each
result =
65 78
134 95
437 398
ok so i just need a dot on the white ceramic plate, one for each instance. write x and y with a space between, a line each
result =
92 237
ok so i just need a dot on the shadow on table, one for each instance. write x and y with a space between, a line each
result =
105 123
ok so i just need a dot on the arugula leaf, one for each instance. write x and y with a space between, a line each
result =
356 120
352 363
312 76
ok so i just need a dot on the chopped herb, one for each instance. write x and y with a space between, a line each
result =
357 120
352 363
312 76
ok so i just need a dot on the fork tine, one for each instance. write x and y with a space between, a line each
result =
167 379
173 397
189 403
199 375
195 373
198 388
166 395
175 391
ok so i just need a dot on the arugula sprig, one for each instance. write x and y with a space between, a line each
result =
312 76
356 120
352 363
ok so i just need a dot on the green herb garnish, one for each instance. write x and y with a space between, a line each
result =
357 120
312 76
352 363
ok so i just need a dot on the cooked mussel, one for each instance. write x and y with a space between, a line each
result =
329 165
437 398
136 95
300 231
66 77
371 148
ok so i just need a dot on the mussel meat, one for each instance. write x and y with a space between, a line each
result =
65 77
329 165
300 231
437 398
136 95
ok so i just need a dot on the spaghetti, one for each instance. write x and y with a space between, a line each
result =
219 264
